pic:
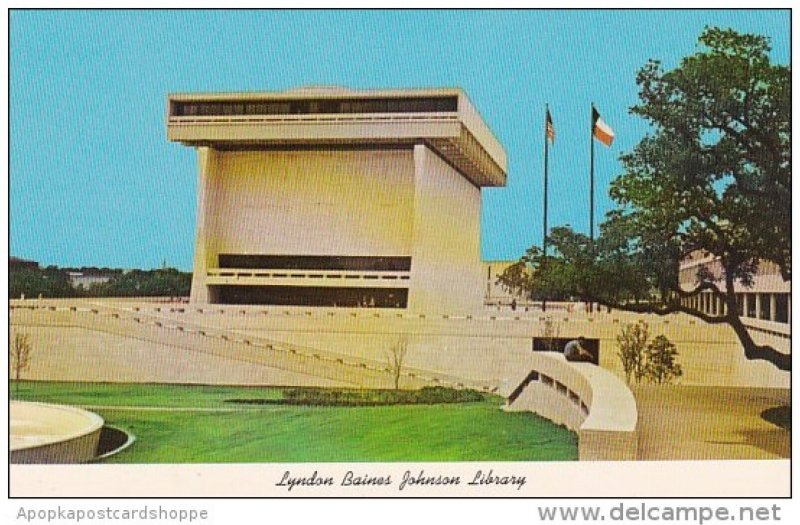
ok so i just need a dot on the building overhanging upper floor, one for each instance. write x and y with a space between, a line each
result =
442 119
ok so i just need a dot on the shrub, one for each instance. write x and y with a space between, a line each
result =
549 334
653 361
19 356
661 367
342 397
632 344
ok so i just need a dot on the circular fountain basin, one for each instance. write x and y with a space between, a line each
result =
47 433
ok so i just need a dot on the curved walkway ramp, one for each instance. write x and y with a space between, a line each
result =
47 433
585 398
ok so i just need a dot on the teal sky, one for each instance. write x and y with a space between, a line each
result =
94 181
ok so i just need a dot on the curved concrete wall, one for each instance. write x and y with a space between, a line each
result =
45 433
586 399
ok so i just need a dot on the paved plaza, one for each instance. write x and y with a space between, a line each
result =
694 422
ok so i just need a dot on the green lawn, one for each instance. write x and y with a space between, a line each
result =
132 394
477 431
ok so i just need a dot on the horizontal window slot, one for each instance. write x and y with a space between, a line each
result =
209 108
312 296
358 263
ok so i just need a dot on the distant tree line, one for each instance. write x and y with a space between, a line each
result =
53 282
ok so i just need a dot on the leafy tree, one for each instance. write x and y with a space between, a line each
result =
48 282
516 279
525 278
714 175
662 366
166 282
54 282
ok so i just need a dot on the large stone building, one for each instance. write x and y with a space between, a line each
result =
333 197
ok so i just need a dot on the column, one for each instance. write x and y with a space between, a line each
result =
758 305
745 304
789 307
446 235
773 307
203 255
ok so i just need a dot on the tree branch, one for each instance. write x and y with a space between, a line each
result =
752 351
705 285
661 310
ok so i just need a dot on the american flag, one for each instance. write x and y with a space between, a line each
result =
549 129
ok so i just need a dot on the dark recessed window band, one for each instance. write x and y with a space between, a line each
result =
313 107
342 263
312 296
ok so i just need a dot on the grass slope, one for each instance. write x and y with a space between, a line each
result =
477 431
135 394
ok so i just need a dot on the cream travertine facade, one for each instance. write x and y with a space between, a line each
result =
333 197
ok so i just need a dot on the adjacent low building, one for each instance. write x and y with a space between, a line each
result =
495 294
336 197
765 307
87 278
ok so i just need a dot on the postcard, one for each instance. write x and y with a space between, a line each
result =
391 253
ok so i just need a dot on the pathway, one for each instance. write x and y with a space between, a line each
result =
696 422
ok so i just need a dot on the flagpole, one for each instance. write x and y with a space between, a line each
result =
591 187
544 213
591 175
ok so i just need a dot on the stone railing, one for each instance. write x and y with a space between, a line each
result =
585 398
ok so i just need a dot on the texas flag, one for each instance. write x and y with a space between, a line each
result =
600 129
